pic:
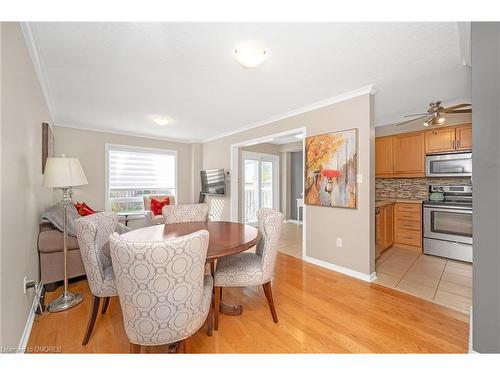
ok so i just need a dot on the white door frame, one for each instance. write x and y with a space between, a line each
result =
276 175
235 175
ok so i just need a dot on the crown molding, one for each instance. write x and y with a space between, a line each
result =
37 64
366 90
129 134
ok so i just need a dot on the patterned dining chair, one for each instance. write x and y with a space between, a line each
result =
251 269
185 213
93 233
164 295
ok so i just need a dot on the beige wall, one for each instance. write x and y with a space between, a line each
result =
324 224
22 196
89 146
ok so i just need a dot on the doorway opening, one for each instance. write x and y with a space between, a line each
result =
268 173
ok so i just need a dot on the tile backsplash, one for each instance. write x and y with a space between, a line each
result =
412 188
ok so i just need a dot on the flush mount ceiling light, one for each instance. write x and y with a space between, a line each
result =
160 120
250 54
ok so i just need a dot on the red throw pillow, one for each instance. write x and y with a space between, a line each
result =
83 209
157 205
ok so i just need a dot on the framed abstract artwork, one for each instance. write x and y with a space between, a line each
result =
330 169
47 144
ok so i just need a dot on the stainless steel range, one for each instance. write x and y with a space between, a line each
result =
448 222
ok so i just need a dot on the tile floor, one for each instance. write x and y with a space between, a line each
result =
442 281
291 240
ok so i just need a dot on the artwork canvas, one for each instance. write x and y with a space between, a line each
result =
47 144
331 168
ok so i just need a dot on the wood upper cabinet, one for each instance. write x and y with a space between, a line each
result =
464 137
441 140
383 157
409 155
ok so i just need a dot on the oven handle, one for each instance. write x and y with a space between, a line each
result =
448 209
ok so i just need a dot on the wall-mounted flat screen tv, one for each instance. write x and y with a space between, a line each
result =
213 182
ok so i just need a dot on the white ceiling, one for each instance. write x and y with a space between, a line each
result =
285 139
117 76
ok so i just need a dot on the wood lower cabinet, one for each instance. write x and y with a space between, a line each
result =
383 157
384 228
441 140
464 138
408 225
409 155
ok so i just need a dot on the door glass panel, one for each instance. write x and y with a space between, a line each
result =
266 190
455 223
251 182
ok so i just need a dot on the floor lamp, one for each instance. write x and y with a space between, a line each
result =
64 173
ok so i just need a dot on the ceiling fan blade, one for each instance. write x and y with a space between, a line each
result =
461 111
418 114
448 109
415 119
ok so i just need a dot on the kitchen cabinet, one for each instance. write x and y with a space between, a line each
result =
409 155
384 157
450 139
464 137
408 225
384 228
440 140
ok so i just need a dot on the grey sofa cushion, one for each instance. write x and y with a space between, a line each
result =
51 241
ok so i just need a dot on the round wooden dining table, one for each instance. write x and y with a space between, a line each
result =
225 238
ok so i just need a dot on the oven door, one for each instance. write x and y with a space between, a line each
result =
448 224
449 165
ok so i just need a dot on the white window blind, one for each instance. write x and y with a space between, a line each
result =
134 172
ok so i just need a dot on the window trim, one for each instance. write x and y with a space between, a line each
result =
113 146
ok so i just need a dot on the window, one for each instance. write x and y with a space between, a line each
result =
133 172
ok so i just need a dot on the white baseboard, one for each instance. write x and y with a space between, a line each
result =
346 271
293 221
29 322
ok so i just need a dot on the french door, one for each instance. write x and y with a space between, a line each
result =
260 184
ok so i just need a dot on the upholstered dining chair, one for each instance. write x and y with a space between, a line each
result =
251 269
184 213
164 294
93 233
149 216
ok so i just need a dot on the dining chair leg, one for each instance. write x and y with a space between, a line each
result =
135 349
218 292
105 305
269 295
210 319
92 318
212 268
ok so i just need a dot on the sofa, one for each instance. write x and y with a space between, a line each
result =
50 252
149 216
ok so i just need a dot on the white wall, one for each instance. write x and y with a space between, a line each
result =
324 224
22 196
89 146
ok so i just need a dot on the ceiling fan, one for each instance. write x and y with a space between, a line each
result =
434 115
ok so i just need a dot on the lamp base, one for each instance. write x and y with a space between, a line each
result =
65 301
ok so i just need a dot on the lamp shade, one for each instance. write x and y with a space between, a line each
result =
63 172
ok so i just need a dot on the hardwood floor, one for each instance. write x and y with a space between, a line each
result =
319 311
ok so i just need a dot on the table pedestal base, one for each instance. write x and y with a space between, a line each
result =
230 310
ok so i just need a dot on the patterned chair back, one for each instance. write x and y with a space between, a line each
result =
270 225
185 213
93 233
160 285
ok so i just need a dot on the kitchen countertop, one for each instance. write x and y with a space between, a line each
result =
385 201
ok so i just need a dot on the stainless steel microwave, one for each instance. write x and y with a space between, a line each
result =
449 165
